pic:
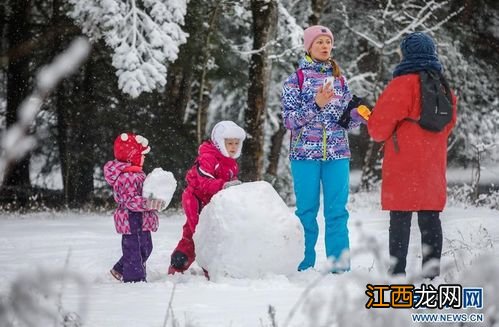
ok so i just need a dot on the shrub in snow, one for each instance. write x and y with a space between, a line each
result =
35 299
346 305
483 273
460 195
247 231
159 184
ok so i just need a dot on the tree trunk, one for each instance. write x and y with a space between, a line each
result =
185 71
275 149
315 16
174 142
17 178
264 23
371 167
81 142
203 103
75 117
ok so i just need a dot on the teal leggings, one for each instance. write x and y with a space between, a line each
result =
334 176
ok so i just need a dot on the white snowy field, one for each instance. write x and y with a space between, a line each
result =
87 244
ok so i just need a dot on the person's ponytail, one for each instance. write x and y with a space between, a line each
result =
336 68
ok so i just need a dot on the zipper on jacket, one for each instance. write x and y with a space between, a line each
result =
298 138
324 143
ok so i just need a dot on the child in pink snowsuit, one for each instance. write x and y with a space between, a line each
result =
215 168
136 217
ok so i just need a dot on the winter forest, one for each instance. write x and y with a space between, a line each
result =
74 74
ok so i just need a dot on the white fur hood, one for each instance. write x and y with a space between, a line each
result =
227 129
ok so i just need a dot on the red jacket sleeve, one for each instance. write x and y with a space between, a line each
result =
208 183
393 105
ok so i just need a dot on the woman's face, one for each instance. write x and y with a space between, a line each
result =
321 48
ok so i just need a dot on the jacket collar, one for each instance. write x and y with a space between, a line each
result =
306 62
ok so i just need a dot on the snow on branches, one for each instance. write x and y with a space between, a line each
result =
144 34
410 16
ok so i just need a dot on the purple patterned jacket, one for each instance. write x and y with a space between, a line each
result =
315 134
127 189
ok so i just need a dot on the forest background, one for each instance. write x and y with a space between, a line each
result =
169 70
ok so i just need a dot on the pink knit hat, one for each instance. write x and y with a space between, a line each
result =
313 32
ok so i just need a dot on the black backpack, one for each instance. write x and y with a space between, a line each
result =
436 101
436 104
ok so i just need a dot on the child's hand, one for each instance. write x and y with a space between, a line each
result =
232 183
155 204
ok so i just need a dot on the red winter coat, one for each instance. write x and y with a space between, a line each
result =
413 178
210 172
208 175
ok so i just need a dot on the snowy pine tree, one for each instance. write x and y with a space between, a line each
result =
143 34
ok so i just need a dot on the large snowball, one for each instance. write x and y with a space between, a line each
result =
159 184
247 231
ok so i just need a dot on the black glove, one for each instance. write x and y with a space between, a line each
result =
178 260
345 117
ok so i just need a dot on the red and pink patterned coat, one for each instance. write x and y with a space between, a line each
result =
127 189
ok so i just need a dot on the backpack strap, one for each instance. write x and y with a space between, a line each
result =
342 81
394 135
299 75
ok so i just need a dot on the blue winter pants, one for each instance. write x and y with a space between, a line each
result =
308 175
136 247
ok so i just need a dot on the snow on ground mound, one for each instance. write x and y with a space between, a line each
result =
159 184
247 231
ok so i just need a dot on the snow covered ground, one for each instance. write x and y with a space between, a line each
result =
87 244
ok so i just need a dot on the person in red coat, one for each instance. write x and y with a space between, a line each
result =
415 159
215 168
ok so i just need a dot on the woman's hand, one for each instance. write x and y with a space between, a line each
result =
324 95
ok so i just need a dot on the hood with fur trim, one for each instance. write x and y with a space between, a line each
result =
227 129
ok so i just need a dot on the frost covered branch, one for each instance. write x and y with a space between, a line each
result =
144 34
411 22
33 300
169 309
16 142
288 41
375 43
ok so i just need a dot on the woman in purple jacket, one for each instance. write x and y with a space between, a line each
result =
319 109
136 217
